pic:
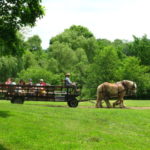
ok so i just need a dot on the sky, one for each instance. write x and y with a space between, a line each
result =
109 19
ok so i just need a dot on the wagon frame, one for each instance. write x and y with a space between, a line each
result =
56 93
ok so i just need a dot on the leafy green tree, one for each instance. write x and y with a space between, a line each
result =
34 43
78 37
80 68
140 48
103 43
15 14
28 60
37 73
120 45
8 67
64 55
13 45
52 65
18 13
105 64
130 69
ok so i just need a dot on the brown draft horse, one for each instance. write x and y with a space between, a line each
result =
106 90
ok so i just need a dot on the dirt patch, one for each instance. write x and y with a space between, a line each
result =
138 107
115 107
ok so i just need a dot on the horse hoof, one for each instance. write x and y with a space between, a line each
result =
109 107
122 107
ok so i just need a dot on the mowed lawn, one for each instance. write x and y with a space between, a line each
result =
54 126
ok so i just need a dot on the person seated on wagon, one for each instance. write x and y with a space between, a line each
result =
42 83
9 80
13 82
42 90
22 82
30 82
69 83
12 88
19 89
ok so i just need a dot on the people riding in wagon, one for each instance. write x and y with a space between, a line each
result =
42 83
42 90
19 90
9 80
30 82
22 82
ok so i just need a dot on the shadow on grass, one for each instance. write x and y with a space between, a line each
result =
4 114
3 148
48 105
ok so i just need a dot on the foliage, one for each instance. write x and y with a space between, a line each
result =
12 45
39 73
15 14
130 69
34 43
64 55
28 60
77 37
140 48
8 67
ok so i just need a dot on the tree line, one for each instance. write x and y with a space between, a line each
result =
90 61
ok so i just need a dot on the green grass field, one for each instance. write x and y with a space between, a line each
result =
54 126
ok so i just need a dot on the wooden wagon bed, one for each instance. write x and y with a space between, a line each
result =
20 93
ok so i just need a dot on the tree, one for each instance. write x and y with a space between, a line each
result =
15 14
78 37
130 69
80 68
8 67
64 55
13 45
28 60
103 43
36 73
140 48
106 64
34 43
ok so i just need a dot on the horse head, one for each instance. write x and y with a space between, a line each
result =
130 87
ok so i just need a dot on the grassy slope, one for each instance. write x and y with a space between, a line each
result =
36 127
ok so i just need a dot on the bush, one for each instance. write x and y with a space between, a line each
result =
39 73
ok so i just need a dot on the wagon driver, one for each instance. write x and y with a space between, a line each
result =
68 81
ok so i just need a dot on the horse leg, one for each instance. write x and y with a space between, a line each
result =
107 103
117 102
122 103
99 102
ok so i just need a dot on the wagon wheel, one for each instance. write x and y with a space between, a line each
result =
73 103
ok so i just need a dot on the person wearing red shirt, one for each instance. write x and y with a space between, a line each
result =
42 83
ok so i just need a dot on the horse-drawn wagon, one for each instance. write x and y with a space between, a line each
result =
21 93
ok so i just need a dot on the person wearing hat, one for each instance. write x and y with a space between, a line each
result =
42 83
68 82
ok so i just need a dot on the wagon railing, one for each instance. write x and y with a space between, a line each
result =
20 93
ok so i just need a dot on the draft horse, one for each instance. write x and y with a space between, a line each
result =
107 90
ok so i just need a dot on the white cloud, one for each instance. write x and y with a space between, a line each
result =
108 19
